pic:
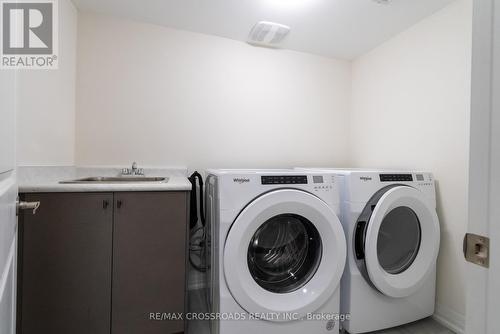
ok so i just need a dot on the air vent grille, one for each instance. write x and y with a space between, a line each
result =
268 34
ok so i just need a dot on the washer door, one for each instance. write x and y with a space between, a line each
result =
401 241
285 253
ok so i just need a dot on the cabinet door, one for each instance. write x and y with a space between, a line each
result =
65 269
149 257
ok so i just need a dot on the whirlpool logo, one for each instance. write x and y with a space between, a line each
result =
241 180
365 178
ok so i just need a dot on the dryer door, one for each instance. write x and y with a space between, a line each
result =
285 253
401 241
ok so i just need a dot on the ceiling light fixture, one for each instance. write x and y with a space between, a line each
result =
382 2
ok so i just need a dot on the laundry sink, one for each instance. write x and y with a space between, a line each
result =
117 179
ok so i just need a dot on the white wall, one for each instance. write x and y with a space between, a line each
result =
46 103
160 96
410 109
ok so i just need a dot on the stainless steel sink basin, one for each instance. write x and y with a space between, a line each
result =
117 179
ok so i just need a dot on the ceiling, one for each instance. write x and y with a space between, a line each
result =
334 28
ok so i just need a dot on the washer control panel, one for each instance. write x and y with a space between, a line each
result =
323 182
396 177
317 182
283 179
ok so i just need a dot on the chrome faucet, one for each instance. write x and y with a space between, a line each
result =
133 171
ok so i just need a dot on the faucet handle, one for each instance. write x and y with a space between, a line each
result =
134 165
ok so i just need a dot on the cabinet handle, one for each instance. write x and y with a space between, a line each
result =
21 205
119 204
105 204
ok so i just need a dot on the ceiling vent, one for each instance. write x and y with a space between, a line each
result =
268 34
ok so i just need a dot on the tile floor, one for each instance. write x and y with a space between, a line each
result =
426 326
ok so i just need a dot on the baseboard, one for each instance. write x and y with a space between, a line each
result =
449 318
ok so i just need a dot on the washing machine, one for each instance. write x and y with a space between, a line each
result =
393 235
277 251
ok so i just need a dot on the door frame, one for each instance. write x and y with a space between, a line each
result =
483 284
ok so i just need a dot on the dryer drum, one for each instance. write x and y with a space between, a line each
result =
399 240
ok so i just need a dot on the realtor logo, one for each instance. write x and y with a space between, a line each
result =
29 34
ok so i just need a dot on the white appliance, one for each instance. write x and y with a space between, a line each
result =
8 194
277 251
393 236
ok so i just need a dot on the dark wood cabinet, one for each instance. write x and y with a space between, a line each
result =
65 264
95 263
148 261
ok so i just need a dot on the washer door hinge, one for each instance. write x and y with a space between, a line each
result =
477 249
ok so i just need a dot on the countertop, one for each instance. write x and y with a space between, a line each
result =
46 179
